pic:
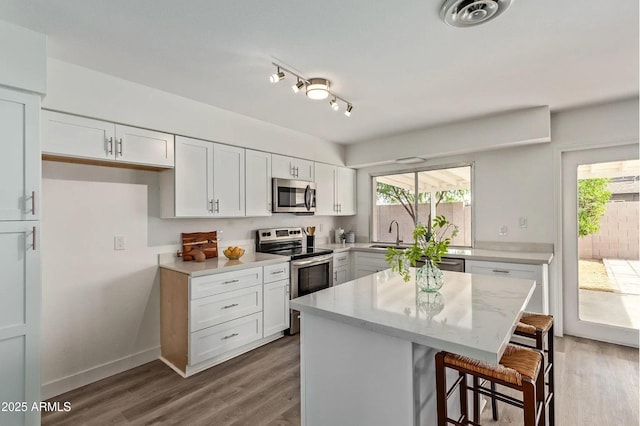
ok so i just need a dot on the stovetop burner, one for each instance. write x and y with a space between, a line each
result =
286 242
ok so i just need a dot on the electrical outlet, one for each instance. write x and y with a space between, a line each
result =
502 230
119 242
523 221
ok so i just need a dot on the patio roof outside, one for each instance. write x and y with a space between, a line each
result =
431 180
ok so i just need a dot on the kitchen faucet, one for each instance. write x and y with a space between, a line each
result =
398 240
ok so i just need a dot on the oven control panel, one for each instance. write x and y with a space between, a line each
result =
279 234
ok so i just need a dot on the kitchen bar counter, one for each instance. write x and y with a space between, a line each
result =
367 346
222 264
491 255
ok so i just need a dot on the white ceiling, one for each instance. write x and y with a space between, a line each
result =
399 64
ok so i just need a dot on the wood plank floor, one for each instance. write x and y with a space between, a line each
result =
597 385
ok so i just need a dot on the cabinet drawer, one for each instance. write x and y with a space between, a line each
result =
227 281
216 340
273 273
372 259
340 259
219 308
513 270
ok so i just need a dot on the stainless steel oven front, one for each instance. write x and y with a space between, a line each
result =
308 275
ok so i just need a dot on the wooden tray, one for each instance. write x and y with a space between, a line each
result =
207 242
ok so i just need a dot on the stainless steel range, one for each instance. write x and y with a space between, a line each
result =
311 268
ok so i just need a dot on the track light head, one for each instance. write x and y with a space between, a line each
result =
277 76
298 86
347 112
334 104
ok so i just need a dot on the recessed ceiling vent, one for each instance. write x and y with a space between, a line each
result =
467 13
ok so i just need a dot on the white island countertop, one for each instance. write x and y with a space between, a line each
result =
472 315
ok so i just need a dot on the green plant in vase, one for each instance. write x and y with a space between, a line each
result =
430 243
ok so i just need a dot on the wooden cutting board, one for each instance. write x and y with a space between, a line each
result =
207 242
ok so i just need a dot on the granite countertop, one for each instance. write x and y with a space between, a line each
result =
222 264
472 315
491 255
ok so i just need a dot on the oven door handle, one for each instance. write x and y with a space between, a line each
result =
318 259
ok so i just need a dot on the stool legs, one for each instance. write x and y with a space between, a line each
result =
551 379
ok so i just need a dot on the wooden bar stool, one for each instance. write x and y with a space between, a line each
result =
539 327
520 368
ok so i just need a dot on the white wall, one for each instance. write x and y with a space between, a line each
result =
511 128
82 91
24 58
100 306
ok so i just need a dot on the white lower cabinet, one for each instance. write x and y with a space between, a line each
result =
540 273
214 341
341 268
276 307
208 319
369 263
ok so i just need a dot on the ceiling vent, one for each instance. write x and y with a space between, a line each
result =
467 13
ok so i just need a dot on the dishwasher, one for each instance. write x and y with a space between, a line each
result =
447 264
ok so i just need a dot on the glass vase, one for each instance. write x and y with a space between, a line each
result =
429 277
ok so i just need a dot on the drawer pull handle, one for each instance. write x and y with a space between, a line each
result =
230 282
500 271
278 272
229 336
341 259
230 306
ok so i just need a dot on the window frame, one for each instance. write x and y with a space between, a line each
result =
416 170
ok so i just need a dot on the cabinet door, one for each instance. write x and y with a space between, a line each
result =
346 191
193 178
228 180
341 275
20 159
77 137
20 294
276 307
282 167
141 146
304 169
257 183
364 270
325 189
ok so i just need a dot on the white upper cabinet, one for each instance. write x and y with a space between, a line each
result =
257 183
325 189
346 191
335 190
193 178
70 136
207 181
291 168
228 181
141 146
20 159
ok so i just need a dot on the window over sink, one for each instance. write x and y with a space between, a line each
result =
416 196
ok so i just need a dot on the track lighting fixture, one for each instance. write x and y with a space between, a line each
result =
315 88
279 75
298 86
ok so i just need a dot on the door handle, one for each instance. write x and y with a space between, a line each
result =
500 271
33 241
120 147
110 145
217 206
230 306
229 336
211 205
33 203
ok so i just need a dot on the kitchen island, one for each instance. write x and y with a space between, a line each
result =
368 346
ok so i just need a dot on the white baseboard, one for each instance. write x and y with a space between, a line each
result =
82 378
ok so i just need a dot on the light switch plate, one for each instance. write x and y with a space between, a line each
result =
523 221
119 242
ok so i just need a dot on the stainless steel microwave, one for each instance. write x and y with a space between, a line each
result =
294 196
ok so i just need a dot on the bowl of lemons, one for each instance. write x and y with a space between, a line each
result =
233 252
